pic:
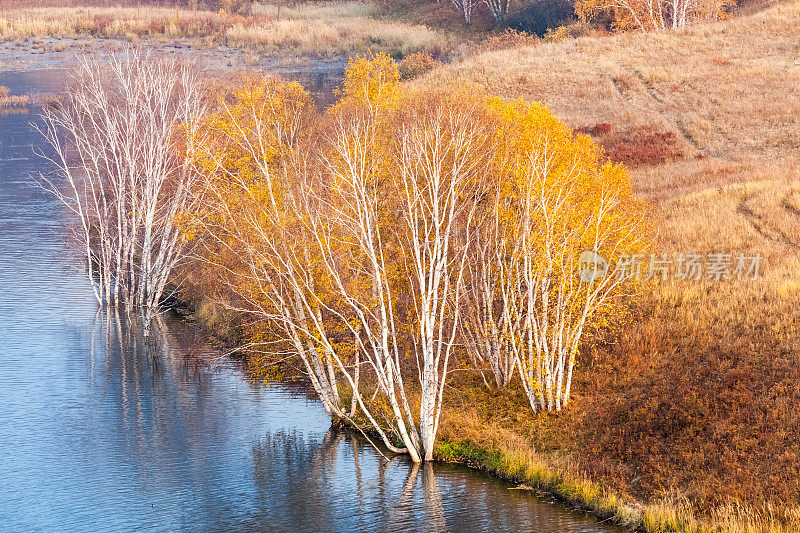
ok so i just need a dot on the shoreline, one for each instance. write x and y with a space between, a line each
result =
530 474
581 495
52 52
522 468
533 476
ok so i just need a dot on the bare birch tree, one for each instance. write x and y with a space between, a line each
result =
498 8
118 143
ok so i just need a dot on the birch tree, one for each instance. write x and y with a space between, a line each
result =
378 240
249 222
393 234
466 7
498 9
263 229
119 149
656 15
355 231
551 305
442 158
485 311
554 202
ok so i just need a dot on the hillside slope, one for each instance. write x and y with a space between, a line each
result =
729 90
700 396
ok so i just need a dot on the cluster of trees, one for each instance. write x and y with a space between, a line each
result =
118 143
622 15
395 233
647 15
404 228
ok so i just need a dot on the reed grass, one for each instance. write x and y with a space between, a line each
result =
8 100
318 28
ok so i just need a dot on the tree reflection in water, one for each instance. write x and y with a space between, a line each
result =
242 455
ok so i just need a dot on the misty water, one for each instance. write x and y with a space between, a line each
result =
102 431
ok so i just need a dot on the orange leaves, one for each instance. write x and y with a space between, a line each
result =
251 153
549 200
537 155
260 125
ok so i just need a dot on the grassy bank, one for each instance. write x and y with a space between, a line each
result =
523 466
696 404
480 437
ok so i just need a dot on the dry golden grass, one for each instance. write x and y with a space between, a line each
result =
317 10
8 100
697 404
337 34
318 28
727 91
110 22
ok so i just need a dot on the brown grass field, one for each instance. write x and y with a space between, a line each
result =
314 28
699 399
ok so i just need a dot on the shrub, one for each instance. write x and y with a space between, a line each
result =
555 35
601 128
416 64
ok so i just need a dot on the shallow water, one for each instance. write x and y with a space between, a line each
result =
100 431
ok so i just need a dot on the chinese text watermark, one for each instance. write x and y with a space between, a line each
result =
691 267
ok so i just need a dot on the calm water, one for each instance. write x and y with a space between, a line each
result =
100 431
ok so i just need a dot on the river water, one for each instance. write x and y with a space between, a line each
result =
100 431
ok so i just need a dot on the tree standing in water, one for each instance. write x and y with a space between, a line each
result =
119 144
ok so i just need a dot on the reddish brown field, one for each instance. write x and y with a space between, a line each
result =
699 397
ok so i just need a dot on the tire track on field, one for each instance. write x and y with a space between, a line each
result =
763 227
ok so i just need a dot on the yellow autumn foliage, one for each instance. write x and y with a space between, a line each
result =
325 228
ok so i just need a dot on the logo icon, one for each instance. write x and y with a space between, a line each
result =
591 266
